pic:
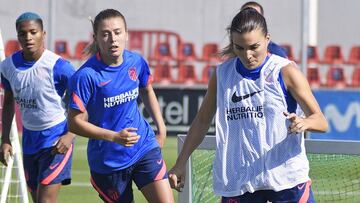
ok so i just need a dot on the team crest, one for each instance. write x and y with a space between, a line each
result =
132 74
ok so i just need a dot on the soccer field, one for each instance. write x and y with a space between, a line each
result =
81 190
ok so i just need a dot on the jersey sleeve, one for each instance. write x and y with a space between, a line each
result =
81 88
63 71
144 75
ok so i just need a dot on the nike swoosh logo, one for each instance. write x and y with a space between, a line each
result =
159 161
235 98
53 166
300 187
102 84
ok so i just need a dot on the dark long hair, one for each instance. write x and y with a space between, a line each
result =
245 21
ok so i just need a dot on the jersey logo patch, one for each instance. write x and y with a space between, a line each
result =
235 98
53 166
132 73
102 84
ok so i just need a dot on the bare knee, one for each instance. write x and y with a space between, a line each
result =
48 193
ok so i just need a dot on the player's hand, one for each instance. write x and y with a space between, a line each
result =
161 140
63 144
177 178
5 153
127 137
298 124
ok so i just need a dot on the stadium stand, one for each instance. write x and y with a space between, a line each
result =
187 74
136 41
11 46
333 55
335 77
186 52
289 51
355 78
210 52
79 50
62 49
162 73
206 73
354 56
163 53
313 55
313 77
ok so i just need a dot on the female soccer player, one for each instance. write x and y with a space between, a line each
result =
260 154
36 79
103 107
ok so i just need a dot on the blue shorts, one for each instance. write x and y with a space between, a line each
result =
299 193
117 186
46 168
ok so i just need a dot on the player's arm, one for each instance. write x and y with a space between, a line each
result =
8 113
151 104
299 88
63 70
198 129
78 124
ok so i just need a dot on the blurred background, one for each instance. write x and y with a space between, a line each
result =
180 39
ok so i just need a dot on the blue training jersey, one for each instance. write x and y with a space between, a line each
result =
41 114
109 96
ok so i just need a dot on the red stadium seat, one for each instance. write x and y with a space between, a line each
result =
162 52
162 73
335 77
187 74
186 52
289 51
136 41
355 78
62 49
79 50
313 77
207 72
210 52
313 54
11 46
333 55
354 57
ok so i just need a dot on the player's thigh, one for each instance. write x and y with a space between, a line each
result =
150 176
31 168
158 191
55 168
48 193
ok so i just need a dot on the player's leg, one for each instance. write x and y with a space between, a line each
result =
31 174
151 177
48 193
55 170
114 187
299 193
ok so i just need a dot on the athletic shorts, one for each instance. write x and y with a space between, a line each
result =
299 193
46 168
117 186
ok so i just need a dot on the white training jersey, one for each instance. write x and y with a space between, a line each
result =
34 91
253 148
